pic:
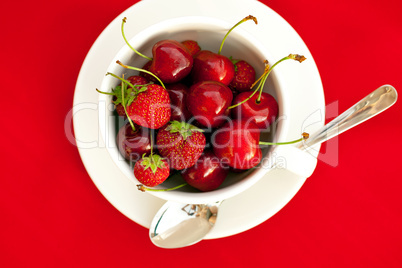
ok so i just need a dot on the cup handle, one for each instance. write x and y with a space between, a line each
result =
295 160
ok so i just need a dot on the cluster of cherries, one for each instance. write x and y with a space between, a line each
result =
193 111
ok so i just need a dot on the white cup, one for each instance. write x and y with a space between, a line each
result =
208 32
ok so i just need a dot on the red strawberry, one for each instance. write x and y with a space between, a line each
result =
151 170
147 105
150 106
134 80
192 46
244 76
181 143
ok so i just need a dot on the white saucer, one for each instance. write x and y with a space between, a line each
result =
267 196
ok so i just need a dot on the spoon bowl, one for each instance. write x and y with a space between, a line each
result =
177 225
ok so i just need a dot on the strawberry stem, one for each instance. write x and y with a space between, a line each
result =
125 39
237 24
140 70
305 136
142 188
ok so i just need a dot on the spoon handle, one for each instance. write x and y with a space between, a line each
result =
373 104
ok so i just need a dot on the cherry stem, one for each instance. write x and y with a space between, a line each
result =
125 39
123 90
143 188
296 57
280 143
305 136
140 70
237 24
106 93
264 77
122 79
249 97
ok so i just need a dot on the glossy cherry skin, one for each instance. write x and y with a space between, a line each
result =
207 174
263 113
211 66
133 144
171 61
237 144
178 93
208 102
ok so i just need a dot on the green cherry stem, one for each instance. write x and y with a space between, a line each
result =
125 39
237 24
106 93
121 79
264 77
123 90
249 97
305 136
134 87
143 188
290 56
140 70
280 143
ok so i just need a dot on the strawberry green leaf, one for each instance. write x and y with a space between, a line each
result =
234 61
185 129
142 89
153 161
117 93
129 94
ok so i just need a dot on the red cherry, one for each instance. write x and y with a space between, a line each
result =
263 113
207 174
212 66
171 61
237 143
133 144
178 93
208 101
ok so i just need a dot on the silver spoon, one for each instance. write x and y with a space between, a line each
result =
178 225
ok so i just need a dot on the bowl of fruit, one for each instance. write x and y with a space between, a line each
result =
191 107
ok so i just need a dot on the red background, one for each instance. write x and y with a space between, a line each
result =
51 214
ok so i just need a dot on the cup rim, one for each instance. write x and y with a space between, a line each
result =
183 23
